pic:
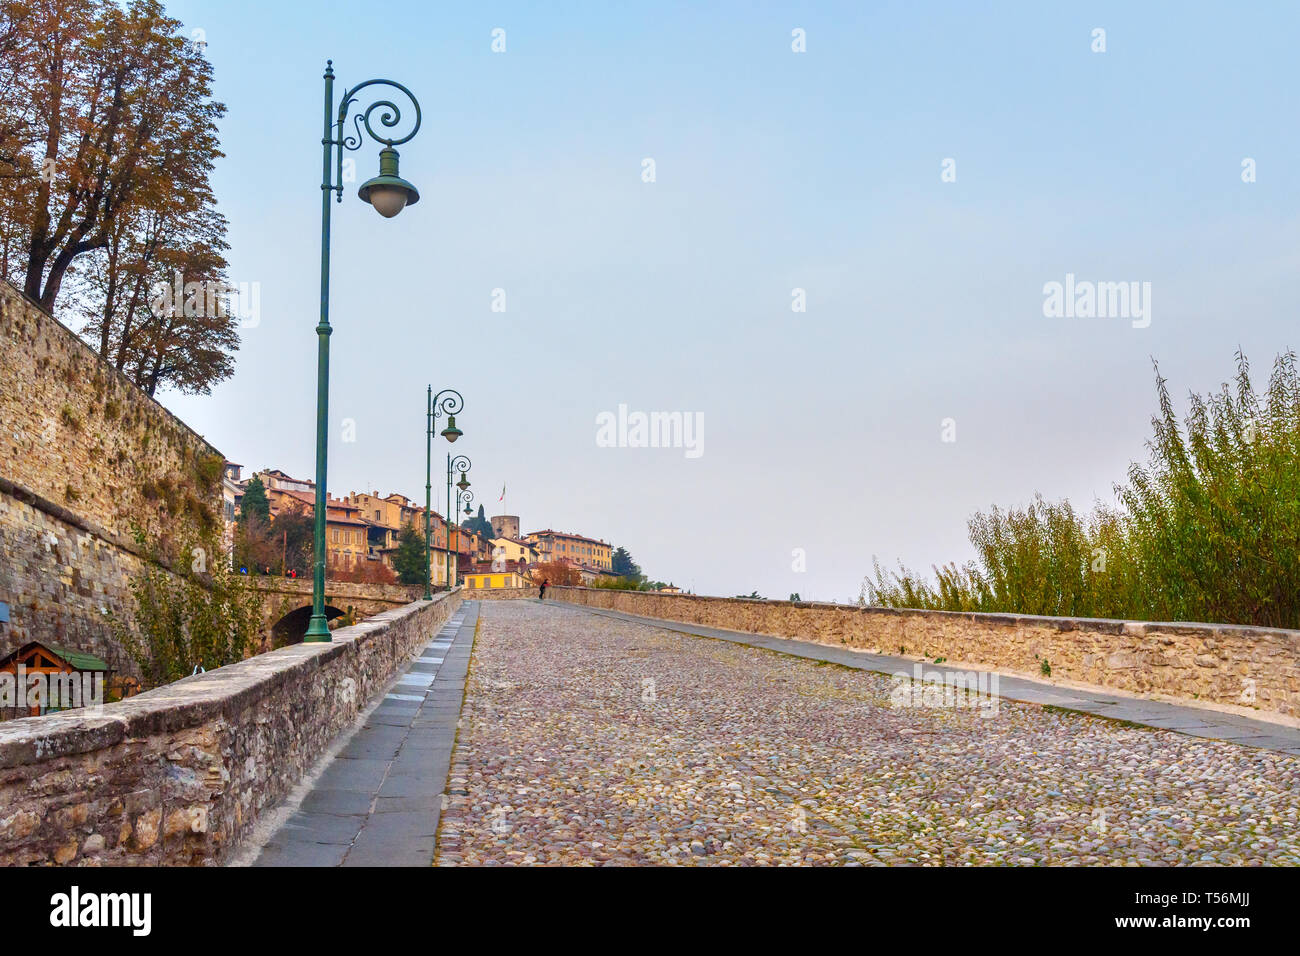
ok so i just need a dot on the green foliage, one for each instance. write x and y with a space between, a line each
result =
752 596
254 504
621 563
1208 530
616 584
208 471
200 614
408 562
480 525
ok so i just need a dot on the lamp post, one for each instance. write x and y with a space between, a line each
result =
461 463
389 194
463 497
449 401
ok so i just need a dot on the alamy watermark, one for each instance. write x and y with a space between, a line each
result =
1085 299
22 690
127 910
207 297
945 689
626 429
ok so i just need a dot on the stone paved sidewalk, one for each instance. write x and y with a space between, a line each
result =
378 802
1183 718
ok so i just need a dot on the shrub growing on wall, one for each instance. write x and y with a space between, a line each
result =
202 613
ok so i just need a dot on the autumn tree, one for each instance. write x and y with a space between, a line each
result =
556 573
296 531
256 546
107 141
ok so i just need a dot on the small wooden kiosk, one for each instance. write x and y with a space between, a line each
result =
36 657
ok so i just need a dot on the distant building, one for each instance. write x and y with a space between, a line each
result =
346 538
576 549
481 580
346 535
495 574
590 575
385 518
275 478
232 492
505 526
513 549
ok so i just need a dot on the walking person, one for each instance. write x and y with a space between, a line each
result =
541 594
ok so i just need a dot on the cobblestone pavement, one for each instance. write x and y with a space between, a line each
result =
589 740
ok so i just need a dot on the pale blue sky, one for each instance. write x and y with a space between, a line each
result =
775 170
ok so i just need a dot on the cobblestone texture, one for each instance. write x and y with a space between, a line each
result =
587 740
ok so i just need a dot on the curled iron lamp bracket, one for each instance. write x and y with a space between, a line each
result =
390 115
449 401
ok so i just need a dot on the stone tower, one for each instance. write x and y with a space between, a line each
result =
506 526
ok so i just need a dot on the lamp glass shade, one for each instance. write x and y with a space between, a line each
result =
463 483
387 200
451 432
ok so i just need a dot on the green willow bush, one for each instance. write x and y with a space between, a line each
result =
1207 530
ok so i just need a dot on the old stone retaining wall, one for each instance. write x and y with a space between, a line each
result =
179 774
85 458
1244 666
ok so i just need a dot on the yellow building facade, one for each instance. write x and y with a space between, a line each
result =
489 580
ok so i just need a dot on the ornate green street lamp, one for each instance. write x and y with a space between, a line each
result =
389 194
460 463
449 401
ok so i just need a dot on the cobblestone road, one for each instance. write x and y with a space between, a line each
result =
588 740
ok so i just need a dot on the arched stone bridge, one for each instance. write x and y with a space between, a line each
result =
286 608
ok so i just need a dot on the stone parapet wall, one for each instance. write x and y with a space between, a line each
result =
503 594
1209 663
339 592
180 774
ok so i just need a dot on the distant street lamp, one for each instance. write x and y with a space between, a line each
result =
449 401
460 463
464 497
389 194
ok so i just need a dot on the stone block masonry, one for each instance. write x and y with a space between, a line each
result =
180 774
85 458
506 594
1249 667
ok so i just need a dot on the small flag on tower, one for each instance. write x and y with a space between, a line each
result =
503 492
